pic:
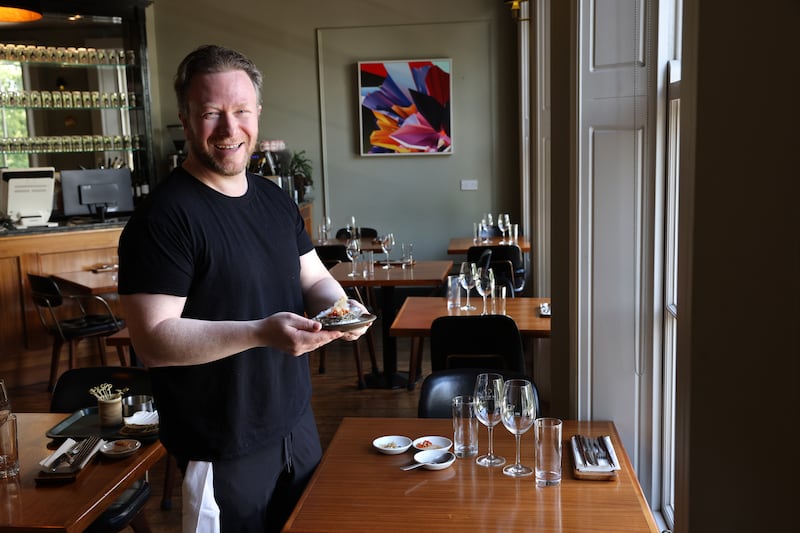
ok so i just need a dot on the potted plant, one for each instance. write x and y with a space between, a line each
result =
300 168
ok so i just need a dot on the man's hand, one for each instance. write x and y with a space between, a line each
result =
295 334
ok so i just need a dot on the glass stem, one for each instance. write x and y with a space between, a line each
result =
491 443
518 436
484 304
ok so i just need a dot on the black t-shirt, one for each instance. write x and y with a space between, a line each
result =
233 258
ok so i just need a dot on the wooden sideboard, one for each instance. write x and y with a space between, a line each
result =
24 345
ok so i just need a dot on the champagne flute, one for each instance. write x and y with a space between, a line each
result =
387 243
484 283
466 278
353 249
518 412
488 401
503 223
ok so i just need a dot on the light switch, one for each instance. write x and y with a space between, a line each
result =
469 185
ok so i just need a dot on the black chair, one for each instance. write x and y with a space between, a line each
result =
439 388
480 255
331 254
507 262
490 231
71 393
366 233
48 298
476 341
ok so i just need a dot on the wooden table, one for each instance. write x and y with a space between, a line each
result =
460 245
368 244
24 506
358 489
87 282
418 313
422 274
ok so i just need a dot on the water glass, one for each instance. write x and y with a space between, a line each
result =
453 292
9 447
465 427
547 442
499 300
407 258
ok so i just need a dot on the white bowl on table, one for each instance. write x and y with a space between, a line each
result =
392 444
432 442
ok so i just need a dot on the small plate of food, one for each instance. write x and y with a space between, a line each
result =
432 443
344 317
117 449
392 444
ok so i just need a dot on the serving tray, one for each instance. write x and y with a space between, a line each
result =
86 423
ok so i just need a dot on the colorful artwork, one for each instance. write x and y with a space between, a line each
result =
405 107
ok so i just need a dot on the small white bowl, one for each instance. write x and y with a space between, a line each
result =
427 456
432 443
392 444
117 449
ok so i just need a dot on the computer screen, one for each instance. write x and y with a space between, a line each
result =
26 195
96 193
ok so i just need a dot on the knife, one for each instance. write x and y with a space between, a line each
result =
65 457
581 449
601 442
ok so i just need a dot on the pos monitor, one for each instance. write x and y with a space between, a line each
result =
96 192
26 195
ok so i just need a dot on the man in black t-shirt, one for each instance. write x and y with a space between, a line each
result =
216 274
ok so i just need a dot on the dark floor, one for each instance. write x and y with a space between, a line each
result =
335 396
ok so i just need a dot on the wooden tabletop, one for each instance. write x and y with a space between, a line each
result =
460 245
367 244
87 282
418 312
24 506
358 489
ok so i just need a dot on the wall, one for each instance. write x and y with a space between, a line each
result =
282 38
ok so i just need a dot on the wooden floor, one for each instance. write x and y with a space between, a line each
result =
335 396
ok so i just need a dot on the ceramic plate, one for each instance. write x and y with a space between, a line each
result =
432 443
360 322
117 449
392 444
429 455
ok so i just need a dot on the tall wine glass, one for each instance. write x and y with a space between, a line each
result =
466 278
353 249
488 401
484 283
387 243
518 412
503 224
5 403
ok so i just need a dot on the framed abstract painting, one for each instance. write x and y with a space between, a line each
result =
404 107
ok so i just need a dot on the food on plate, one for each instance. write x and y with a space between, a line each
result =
339 313
390 445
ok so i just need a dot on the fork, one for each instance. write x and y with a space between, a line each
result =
67 456
88 447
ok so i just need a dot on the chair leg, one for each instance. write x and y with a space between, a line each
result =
139 523
55 359
322 360
123 360
101 347
73 349
371 347
357 354
415 361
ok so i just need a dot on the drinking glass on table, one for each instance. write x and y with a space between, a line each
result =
353 249
466 278
484 283
488 402
387 243
503 224
518 412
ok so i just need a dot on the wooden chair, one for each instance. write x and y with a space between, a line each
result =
476 341
81 325
439 388
70 394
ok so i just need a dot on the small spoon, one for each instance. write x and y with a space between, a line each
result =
439 459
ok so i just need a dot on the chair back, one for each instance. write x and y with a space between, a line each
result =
71 392
480 255
439 388
366 233
45 291
477 341
490 231
331 254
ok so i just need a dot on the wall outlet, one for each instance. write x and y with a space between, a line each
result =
469 185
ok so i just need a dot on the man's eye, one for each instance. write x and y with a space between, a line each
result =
210 114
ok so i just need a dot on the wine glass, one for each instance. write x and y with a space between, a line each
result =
488 401
518 412
467 280
504 224
353 249
484 283
387 243
5 403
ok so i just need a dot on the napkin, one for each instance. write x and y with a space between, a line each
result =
66 446
604 465
142 418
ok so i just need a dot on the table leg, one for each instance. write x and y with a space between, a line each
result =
390 378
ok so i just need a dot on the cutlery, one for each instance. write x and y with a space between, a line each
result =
601 443
439 459
86 449
67 455
589 450
581 449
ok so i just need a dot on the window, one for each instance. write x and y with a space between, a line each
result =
14 121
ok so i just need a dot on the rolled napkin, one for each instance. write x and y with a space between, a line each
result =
603 465
66 446
82 458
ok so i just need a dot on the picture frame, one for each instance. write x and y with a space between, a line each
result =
405 107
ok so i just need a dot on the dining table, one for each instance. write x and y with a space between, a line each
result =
366 244
460 245
419 274
88 281
65 507
356 488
